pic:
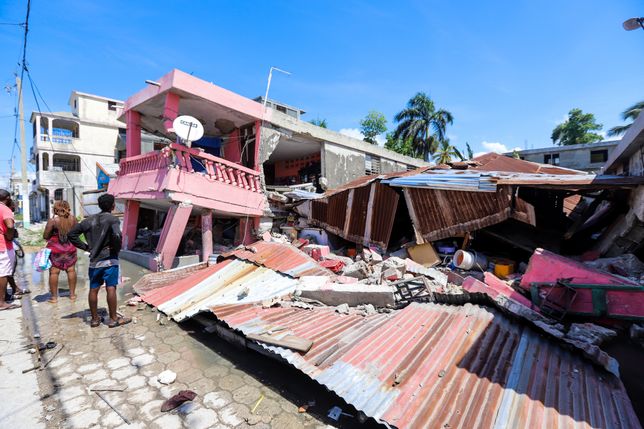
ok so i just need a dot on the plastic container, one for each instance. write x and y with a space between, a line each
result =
468 260
503 267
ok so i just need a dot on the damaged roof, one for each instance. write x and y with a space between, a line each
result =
433 365
229 282
282 257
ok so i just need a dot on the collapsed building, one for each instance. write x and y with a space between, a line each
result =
477 293
213 192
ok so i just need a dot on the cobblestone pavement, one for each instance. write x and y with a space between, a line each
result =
236 388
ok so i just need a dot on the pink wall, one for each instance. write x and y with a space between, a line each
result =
232 147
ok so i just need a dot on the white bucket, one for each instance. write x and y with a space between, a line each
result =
468 260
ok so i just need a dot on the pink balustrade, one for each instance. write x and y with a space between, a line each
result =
181 157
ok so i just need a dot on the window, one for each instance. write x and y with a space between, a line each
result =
111 105
45 161
597 156
371 165
551 159
58 194
280 109
66 162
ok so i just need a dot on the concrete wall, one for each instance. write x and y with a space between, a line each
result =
577 158
94 109
341 165
636 163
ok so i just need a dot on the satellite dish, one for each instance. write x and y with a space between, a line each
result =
633 24
187 128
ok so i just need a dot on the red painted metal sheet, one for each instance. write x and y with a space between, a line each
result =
160 295
433 365
282 257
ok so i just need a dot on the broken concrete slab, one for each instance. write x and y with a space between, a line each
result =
351 294
590 333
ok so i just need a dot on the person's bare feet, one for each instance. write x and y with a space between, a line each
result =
72 297
53 300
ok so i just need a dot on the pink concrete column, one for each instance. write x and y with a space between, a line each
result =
170 110
206 234
133 133
171 234
130 220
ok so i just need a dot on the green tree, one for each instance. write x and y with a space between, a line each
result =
577 129
423 124
470 152
318 122
373 125
446 152
403 147
629 114
515 154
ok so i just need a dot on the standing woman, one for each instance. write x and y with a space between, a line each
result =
63 253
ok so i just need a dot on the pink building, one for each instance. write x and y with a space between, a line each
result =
186 198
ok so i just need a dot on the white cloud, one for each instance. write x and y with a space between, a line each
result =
352 132
356 134
495 147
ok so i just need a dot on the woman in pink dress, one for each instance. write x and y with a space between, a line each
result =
63 253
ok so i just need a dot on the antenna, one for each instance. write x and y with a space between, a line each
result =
270 76
188 129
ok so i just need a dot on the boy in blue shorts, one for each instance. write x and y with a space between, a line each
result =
103 236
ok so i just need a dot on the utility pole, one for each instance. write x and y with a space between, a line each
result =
23 150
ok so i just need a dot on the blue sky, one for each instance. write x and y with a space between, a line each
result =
509 71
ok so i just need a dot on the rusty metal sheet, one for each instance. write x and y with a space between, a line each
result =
383 213
439 214
433 365
498 162
358 219
337 210
282 257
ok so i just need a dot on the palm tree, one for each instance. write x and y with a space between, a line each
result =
445 153
629 114
423 124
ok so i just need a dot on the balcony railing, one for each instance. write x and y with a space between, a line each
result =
193 161
56 139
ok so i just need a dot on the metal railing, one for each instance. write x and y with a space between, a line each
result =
193 161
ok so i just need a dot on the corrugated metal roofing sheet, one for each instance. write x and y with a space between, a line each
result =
455 180
433 366
438 214
229 282
282 257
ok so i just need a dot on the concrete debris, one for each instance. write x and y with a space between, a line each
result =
335 294
366 310
167 377
342 309
590 333
627 265
359 270
277 197
637 331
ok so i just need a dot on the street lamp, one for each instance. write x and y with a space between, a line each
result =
633 24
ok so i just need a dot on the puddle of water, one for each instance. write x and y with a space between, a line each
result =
38 282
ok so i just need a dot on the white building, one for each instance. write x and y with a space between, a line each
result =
67 148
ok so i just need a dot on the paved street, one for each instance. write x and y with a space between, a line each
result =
235 388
